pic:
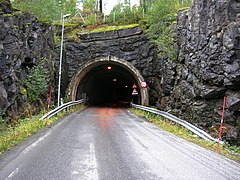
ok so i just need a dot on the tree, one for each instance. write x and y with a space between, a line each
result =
46 10
127 3
123 13
100 6
70 7
89 4
146 4
37 82
160 19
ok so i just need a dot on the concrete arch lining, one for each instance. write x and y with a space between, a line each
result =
85 68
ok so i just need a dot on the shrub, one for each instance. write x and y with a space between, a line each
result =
37 82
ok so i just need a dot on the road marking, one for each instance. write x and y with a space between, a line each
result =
12 174
91 161
75 172
36 143
85 166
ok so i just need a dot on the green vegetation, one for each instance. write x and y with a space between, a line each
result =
37 82
72 34
157 17
1 116
57 40
124 14
160 21
11 135
7 15
110 28
232 152
91 20
46 10
23 91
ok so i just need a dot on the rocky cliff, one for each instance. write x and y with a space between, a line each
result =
208 66
24 41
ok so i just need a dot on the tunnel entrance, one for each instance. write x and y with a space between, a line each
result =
107 81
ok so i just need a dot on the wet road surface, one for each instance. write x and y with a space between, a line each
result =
103 143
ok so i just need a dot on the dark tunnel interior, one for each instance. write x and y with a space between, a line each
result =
108 84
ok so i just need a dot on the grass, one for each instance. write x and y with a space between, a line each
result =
110 28
10 136
72 34
232 152
73 29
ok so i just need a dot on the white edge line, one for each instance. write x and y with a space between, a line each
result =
93 162
12 174
36 142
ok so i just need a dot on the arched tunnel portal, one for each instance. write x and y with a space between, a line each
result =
107 80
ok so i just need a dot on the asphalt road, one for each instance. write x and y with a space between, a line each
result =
111 144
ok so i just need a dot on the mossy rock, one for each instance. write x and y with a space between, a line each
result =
7 15
23 91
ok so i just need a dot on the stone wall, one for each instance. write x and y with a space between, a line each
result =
24 41
129 44
208 66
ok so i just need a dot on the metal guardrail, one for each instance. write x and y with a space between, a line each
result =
60 108
177 120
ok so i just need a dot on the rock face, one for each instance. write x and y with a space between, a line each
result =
24 41
129 44
209 65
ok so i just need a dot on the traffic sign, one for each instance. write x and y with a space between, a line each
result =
143 84
134 86
134 92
